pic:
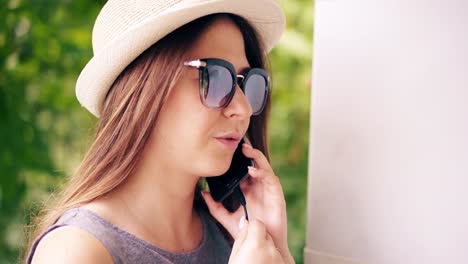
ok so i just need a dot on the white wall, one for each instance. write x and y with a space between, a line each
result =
388 160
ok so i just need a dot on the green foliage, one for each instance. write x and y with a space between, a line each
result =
291 64
43 47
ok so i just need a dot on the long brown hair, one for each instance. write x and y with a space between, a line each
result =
129 113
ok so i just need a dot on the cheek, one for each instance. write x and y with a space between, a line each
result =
202 154
189 147
186 128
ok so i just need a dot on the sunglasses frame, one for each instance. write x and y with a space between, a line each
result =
237 79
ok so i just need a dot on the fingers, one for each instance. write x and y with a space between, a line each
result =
218 211
265 174
260 160
240 238
255 245
246 182
257 230
253 231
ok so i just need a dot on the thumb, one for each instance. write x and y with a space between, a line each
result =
240 238
218 211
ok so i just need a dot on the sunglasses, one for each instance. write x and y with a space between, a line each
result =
218 79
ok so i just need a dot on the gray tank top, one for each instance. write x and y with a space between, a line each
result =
127 248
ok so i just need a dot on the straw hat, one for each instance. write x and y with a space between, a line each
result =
126 28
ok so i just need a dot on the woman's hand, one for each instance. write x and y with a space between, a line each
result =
265 202
253 244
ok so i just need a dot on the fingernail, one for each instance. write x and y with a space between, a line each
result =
247 145
241 222
251 168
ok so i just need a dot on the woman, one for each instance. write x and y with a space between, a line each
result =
169 116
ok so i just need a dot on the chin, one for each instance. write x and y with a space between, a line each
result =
218 167
214 162
216 171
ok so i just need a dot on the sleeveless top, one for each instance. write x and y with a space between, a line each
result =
127 248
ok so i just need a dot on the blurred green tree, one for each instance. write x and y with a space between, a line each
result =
291 63
44 132
43 46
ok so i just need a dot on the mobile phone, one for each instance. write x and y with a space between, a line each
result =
222 186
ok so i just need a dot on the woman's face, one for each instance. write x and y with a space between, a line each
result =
186 135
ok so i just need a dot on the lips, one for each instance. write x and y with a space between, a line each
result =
230 140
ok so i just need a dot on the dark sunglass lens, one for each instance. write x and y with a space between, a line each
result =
255 91
218 89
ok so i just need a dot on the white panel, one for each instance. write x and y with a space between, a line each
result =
388 160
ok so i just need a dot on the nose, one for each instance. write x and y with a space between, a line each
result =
239 107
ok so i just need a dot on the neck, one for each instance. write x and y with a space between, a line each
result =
158 208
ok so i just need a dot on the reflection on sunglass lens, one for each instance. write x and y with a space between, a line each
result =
219 86
254 90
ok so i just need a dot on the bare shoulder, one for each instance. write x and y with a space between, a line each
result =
70 245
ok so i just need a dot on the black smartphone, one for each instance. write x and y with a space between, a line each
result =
222 186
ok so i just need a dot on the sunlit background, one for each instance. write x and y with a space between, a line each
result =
44 132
